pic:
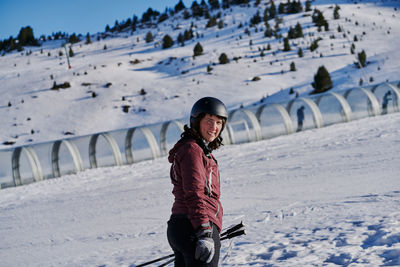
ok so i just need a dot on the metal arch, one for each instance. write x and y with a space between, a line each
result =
343 102
74 152
375 108
229 134
371 97
226 135
396 90
285 115
163 134
314 108
253 120
33 161
113 145
151 140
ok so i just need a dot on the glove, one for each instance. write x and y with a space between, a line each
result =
204 246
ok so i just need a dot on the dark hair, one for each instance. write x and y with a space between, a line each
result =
194 132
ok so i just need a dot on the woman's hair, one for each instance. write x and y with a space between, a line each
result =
194 131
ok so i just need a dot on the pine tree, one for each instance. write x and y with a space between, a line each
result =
300 52
286 45
211 22
256 19
298 30
26 37
223 59
272 10
71 52
198 50
74 39
291 33
308 5
336 12
292 66
180 6
362 58
88 41
167 42
149 37
214 4
322 81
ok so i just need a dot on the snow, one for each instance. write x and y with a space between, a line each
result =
316 198
173 80
322 197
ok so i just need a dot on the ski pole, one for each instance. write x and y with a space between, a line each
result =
229 233
166 263
156 260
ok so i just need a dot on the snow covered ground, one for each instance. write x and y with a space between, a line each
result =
173 80
323 197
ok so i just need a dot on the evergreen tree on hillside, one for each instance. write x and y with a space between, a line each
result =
298 30
272 10
223 59
149 37
180 6
73 39
214 4
88 41
26 37
336 12
291 33
300 52
198 50
286 45
362 58
308 6
197 10
71 52
149 15
226 4
322 81
319 20
167 42
256 19
211 22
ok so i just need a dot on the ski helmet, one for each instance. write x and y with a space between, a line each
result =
208 105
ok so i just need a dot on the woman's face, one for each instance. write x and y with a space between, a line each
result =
210 127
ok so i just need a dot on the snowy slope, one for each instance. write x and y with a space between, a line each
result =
174 80
323 197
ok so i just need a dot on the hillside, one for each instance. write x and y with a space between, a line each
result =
326 197
155 84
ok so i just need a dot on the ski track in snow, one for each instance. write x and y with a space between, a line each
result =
323 197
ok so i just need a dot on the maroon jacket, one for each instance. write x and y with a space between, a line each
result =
196 181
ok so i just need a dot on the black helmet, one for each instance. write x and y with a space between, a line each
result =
209 105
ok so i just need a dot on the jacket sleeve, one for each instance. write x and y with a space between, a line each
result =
193 182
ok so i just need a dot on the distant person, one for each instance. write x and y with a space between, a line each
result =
196 221
386 98
300 118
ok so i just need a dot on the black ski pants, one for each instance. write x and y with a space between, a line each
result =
182 239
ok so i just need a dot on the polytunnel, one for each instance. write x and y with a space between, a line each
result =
274 120
363 103
333 108
243 127
36 162
388 97
304 114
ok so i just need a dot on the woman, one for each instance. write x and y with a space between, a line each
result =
196 220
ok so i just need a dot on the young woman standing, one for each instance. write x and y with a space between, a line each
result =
196 221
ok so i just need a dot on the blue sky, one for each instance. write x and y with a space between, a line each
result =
72 16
